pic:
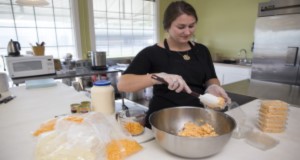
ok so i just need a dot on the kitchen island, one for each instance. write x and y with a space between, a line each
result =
23 115
239 149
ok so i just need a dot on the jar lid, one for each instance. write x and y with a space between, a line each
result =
102 83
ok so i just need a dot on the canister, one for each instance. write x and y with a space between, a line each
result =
98 59
103 97
85 107
4 86
74 107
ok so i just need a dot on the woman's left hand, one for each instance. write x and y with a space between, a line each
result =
218 91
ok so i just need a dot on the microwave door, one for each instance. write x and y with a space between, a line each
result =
27 68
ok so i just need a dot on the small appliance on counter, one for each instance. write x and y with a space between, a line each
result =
5 95
13 48
27 66
68 65
83 66
83 63
98 60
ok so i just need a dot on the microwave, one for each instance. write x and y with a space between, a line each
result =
27 66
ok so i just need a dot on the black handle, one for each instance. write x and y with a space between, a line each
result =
195 94
17 45
153 76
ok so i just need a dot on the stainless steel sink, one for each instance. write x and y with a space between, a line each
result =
244 63
240 99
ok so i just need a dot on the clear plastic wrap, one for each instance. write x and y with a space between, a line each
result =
90 136
261 141
242 128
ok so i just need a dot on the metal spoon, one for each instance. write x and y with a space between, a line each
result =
206 99
124 107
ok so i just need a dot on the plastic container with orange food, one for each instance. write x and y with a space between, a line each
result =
132 120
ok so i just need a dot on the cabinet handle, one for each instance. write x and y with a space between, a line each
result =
291 56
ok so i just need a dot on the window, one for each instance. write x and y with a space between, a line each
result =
52 24
122 28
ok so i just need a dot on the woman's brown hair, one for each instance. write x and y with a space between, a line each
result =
175 9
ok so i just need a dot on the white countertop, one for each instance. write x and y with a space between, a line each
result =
21 116
24 114
232 65
237 149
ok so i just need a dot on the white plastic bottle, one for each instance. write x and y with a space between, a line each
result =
103 97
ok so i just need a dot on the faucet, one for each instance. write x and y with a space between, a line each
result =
243 60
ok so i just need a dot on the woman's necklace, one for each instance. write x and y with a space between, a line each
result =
186 56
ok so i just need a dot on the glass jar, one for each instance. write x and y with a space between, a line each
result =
74 107
85 107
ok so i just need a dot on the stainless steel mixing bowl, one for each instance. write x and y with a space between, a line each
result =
166 123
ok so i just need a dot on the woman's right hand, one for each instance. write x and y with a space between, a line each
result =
175 82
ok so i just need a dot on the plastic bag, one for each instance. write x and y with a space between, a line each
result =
242 128
90 136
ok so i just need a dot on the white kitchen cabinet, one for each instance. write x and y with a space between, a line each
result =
230 73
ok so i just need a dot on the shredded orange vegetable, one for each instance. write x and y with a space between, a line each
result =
45 127
191 129
120 149
134 128
221 102
50 124
76 119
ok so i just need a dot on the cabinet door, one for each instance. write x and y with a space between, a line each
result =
220 77
231 78
235 74
232 73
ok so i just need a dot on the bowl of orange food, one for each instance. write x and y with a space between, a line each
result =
191 132
132 120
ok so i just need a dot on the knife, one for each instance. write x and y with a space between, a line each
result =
7 99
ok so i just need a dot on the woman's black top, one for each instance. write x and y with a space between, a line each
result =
196 71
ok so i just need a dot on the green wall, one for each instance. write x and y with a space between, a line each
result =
224 27
84 27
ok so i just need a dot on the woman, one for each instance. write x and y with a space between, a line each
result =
185 65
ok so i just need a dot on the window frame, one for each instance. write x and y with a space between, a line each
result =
75 26
92 27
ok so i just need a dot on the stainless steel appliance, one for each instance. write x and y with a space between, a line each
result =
13 48
276 42
98 60
26 66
